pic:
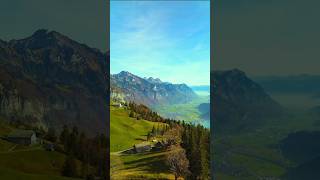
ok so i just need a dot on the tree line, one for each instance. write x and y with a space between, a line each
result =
86 157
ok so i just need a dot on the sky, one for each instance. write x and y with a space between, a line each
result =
169 40
267 37
82 20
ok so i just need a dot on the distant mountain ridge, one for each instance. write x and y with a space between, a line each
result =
304 83
239 103
50 80
149 91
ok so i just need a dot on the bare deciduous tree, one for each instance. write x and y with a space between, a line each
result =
178 161
173 135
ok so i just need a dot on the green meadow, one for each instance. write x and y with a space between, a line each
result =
28 162
31 164
140 166
124 133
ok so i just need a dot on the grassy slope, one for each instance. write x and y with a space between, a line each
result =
4 130
28 162
140 166
10 174
124 133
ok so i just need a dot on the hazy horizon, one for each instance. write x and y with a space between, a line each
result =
296 74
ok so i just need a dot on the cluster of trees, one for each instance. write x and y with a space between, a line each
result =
196 142
159 130
140 111
185 139
85 157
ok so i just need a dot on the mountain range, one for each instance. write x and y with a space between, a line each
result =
304 83
49 80
239 103
148 91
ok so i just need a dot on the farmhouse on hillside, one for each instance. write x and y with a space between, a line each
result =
142 147
117 105
24 137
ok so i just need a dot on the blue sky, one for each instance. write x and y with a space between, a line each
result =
169 40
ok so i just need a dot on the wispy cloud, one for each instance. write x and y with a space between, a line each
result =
160 41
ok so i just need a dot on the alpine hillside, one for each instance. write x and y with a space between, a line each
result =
49 80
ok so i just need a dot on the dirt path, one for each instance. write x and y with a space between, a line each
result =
12 148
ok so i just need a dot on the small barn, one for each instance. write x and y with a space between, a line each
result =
159 145
119 105
142 147
24 137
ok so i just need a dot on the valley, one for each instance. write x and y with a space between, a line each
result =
189 112
259 153
174 101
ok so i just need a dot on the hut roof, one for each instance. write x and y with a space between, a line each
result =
144 144
21 134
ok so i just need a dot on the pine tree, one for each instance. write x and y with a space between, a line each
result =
153 130
51 135
131 114
204 154
64 137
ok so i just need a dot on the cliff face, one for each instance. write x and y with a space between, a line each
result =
150 91
48 79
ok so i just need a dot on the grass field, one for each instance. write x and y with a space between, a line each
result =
140 166
10 174
31 163
126 131
28 162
